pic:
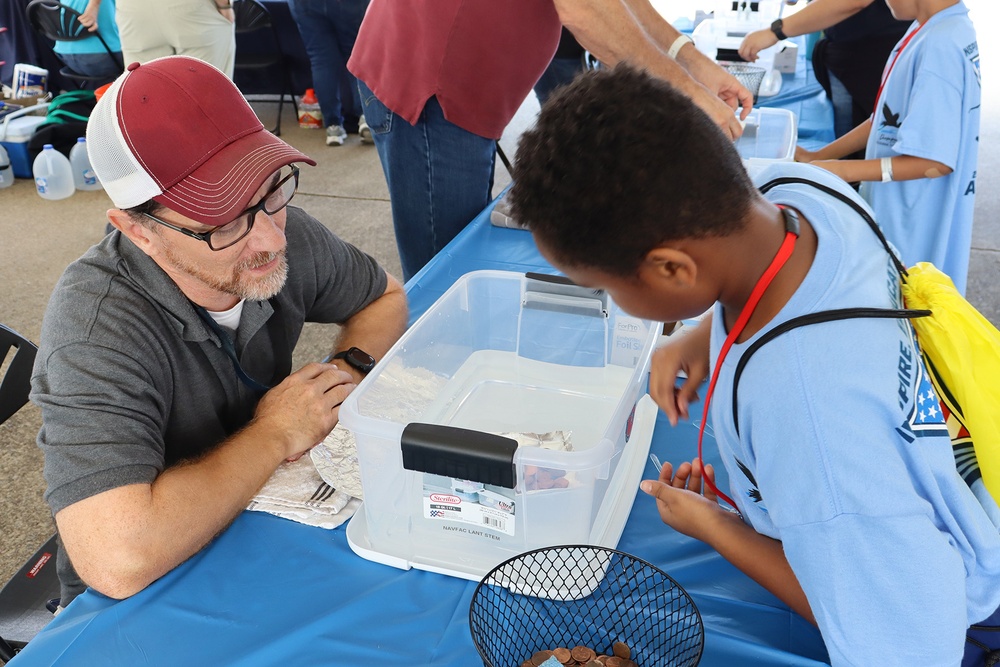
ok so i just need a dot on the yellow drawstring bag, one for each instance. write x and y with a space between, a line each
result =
961 350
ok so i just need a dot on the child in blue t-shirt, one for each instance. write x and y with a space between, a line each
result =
851 509
919 171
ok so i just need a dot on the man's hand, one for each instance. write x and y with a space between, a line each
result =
688 353
683 504
721 84
305 407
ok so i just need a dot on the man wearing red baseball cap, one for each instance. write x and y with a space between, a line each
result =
164 368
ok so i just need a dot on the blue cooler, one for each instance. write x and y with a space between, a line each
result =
16 131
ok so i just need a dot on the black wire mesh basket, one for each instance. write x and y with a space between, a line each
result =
569 596
750 76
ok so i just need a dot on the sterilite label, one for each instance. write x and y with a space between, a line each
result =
468 502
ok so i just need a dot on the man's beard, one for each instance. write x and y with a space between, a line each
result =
239 283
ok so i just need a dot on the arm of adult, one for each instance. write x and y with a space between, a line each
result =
817 15
612 33
123 539
684 507
687 353
376 327
704 70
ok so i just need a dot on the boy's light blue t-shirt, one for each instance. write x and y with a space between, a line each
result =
106 25
843 455
929 108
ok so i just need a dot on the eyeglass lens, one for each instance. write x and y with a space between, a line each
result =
272 202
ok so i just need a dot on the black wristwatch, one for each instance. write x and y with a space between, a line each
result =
776 28
357 358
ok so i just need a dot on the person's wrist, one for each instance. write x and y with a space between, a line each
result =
886 165
225 6
778 28
677 45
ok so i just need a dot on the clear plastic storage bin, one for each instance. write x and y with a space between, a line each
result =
507 418
769 136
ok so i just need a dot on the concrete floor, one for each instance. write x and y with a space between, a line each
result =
346 191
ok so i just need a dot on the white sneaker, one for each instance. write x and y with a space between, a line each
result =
364 131
335 135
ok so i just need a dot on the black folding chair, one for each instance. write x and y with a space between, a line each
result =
257 48
28 600
59 23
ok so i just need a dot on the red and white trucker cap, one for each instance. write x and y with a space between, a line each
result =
178 131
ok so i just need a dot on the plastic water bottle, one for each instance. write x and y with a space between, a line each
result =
309 112
53 174
84 177
6 171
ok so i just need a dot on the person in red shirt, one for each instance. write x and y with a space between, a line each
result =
440 81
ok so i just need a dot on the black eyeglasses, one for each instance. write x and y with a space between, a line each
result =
233 232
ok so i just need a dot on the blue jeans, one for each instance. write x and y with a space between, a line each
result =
329 29
439 176
983 642
559 72
843 107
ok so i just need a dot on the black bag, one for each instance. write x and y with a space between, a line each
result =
65 122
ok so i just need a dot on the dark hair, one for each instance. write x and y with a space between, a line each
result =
620 162
137 213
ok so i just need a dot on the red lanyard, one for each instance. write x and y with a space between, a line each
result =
784 252
885 76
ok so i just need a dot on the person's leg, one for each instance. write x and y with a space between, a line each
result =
843 107
559 72
983 643
439 176
347 23
196 28
315 19
140 32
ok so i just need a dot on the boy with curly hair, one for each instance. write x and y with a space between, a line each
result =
851 509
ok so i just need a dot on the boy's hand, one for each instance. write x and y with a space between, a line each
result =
687 353
683 504
802 155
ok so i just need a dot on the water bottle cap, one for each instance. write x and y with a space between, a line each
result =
81 140
46 147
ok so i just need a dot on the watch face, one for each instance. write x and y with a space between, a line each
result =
359 359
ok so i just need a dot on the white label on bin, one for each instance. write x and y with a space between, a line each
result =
630 336
471 503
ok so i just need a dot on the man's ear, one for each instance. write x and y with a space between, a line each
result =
671 265
139 234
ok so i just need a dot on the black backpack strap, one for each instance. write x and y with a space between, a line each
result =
812 318
858 208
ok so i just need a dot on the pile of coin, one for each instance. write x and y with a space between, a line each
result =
536 478
584 656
